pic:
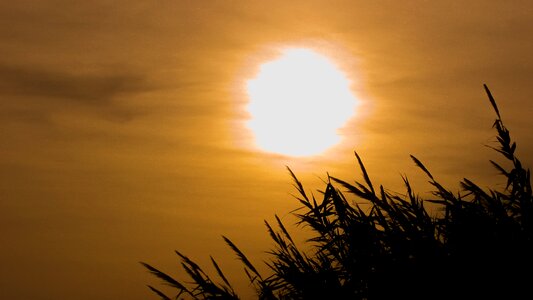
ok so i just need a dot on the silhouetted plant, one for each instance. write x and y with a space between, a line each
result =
385 245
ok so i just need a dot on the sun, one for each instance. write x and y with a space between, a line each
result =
298 102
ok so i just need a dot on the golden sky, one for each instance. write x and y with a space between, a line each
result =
122 123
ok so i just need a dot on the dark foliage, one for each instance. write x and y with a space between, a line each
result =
384 245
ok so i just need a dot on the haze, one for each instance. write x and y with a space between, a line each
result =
123 136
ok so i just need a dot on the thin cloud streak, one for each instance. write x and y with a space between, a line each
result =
90 89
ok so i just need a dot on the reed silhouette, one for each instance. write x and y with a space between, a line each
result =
386 245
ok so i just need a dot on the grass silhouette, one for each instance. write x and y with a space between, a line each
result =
386 245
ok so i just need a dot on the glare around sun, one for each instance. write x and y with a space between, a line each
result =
297 104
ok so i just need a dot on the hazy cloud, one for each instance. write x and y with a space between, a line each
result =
83 87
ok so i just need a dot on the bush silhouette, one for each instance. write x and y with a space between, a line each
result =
385 245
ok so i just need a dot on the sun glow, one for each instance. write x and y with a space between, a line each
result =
297 104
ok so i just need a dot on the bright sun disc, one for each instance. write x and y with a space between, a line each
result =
297 103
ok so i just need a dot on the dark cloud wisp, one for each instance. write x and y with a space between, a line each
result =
88 88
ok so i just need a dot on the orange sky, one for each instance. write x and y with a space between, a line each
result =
122 123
